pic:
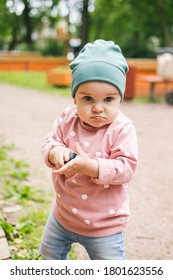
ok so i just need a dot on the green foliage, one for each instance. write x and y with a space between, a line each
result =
8 228
15 191
33 80
23 235
21 193
4 149
9 32
22 23
139 27
51 48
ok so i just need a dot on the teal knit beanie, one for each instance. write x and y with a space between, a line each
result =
99 61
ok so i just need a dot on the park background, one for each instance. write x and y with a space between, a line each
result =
38 39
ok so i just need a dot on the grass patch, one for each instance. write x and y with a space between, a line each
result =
145 99
32 80
24 233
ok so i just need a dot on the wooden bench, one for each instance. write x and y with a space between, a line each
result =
153 80
31 63
60 76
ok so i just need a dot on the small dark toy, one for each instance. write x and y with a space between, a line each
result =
72 156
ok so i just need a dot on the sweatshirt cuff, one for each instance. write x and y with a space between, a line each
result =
106 171
46 158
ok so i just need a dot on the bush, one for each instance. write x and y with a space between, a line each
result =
51 48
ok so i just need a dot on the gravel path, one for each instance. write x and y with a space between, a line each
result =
26 116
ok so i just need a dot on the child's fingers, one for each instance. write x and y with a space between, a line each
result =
61 157
79 150
66 155
64 169
58 159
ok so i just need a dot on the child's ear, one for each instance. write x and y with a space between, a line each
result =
74 100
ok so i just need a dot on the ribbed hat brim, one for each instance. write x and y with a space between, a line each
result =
98 71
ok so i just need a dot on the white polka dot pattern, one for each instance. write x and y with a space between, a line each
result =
98 154
112 211
86 144
84 196
79 195
73 133
74 210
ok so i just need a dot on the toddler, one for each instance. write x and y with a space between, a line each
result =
92 152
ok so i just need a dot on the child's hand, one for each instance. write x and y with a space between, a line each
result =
59 155
82 164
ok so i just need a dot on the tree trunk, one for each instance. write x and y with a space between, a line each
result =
167 40
13 42
27 24
85 23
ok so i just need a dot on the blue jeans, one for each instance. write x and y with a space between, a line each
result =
56 243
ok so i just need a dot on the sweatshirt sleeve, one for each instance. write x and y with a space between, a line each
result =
52 140
121 164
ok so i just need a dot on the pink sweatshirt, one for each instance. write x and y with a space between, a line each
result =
94 206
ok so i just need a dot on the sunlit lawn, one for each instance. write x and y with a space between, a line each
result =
32 80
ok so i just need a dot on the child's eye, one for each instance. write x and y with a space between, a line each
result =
88 98
109 99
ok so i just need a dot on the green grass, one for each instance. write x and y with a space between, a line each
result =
32 80
24 234
145 99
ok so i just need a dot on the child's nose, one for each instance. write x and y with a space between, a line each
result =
97 107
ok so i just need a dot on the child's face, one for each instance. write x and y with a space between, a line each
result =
97 103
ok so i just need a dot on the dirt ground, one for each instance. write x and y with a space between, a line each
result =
26 116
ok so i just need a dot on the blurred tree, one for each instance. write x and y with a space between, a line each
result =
8 27
84 23
138 26
25 17
165 12
27 20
